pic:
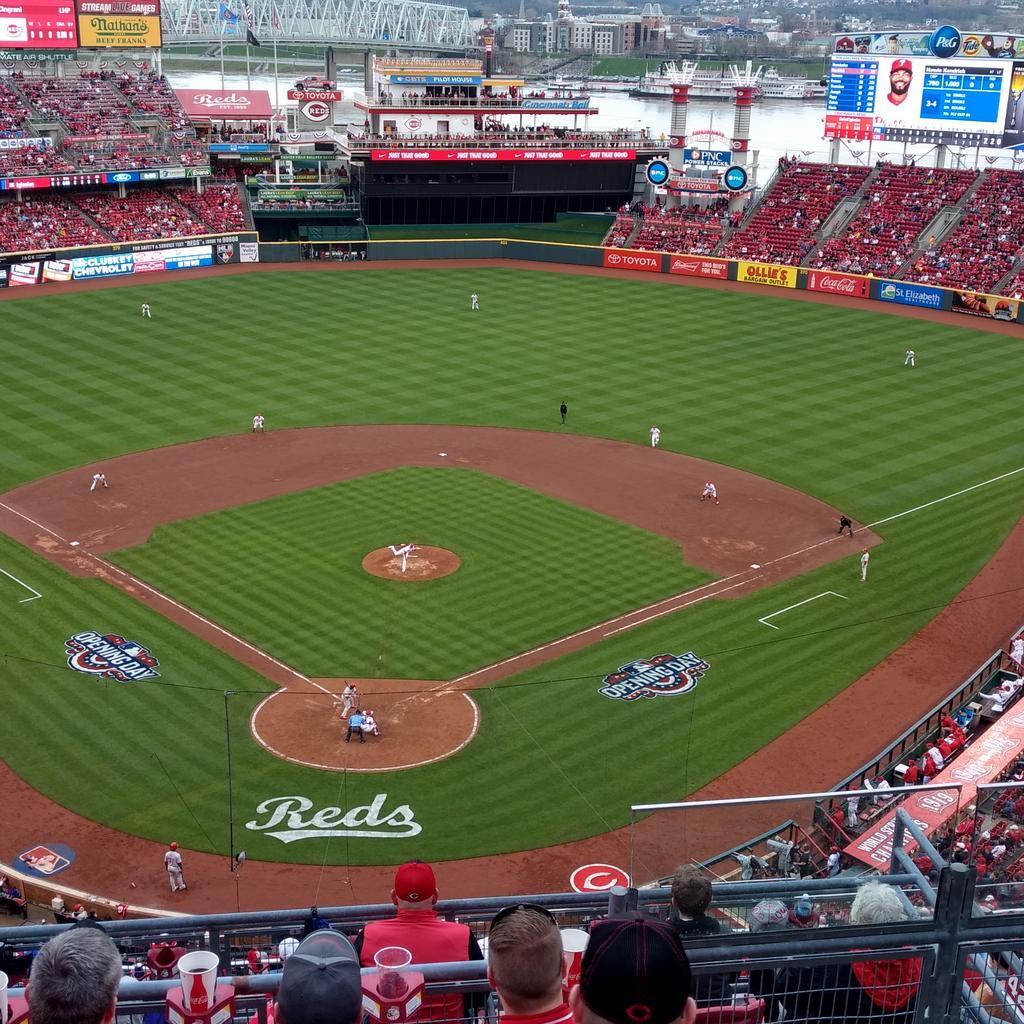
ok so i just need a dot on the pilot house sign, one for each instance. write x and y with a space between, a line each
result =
662 675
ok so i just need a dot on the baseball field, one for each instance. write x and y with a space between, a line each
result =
396 414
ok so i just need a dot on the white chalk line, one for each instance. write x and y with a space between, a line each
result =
789 608
680 607
22 583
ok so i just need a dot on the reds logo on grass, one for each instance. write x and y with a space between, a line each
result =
110 656
662 676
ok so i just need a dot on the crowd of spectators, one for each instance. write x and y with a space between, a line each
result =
87 105
219 207
687 229
900 204
783 227
987 241
143 213
44 222
13 113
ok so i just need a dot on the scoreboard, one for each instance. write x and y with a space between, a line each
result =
921 100
70 24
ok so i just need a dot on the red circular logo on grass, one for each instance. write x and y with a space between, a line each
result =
597 878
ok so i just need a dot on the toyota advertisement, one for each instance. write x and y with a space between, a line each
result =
627 259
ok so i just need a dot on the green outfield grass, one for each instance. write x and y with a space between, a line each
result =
812 395
327 617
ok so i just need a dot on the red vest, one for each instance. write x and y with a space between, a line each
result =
431 940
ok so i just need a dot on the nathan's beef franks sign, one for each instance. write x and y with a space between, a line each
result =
699 266
626 259
838 284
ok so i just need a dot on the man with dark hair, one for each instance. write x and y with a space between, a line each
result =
421 930
524 966
901 74
691 898
635 971
320 982
74 979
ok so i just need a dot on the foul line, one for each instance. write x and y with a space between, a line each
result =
22 583
808 600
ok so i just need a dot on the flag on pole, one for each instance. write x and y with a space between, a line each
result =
250 34
275 21
227 14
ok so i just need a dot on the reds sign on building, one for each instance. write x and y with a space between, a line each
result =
625 259
316 111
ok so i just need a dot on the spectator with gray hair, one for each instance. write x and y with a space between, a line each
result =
872 991
74 979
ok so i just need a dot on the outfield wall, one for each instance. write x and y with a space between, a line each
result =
105 261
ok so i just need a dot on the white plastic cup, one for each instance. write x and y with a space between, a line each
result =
4 982
198 975
390 962
574 944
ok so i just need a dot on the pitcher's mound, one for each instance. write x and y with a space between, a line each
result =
425 563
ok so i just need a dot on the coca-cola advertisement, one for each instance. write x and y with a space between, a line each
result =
838 284
627 259
699 266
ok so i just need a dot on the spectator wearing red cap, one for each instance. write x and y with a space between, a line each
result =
421 930
524 966
634 970
901 74
172 861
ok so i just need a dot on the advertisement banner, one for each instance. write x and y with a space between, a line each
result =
838 284
981 762
115 264
25 143
57 270
151 7
24 274
699 266
180 258
492 155
52 181
694 185
766 273
552 104
232 104
906 294
992 307
119 31
323 95
708 157
626 259
248 252
47 24
239 147
437 79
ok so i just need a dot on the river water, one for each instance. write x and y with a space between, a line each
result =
777 127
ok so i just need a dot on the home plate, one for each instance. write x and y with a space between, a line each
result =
444 455
755 566
74 543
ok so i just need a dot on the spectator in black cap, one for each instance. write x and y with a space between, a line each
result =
320 982
634 971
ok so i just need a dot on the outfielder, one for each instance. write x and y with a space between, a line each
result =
474 301
98 480
864 565
655 436
909 358
403 551
172 861
257 424
710 492
145 311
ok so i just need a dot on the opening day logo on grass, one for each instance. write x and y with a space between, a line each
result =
110 656
661 676
367 822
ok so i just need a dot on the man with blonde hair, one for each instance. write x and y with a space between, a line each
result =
524 966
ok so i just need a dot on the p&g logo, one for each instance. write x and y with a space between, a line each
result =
945 41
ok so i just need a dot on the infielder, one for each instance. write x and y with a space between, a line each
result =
145 311
172 861
909 358
474 301
403 551
98 480
710 492
864 565
655 436
257 424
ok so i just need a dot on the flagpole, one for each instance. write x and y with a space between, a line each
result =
222 21
275 24
248 77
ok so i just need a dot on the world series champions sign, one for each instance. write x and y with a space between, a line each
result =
664 675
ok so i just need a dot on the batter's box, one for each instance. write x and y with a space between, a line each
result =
825 593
